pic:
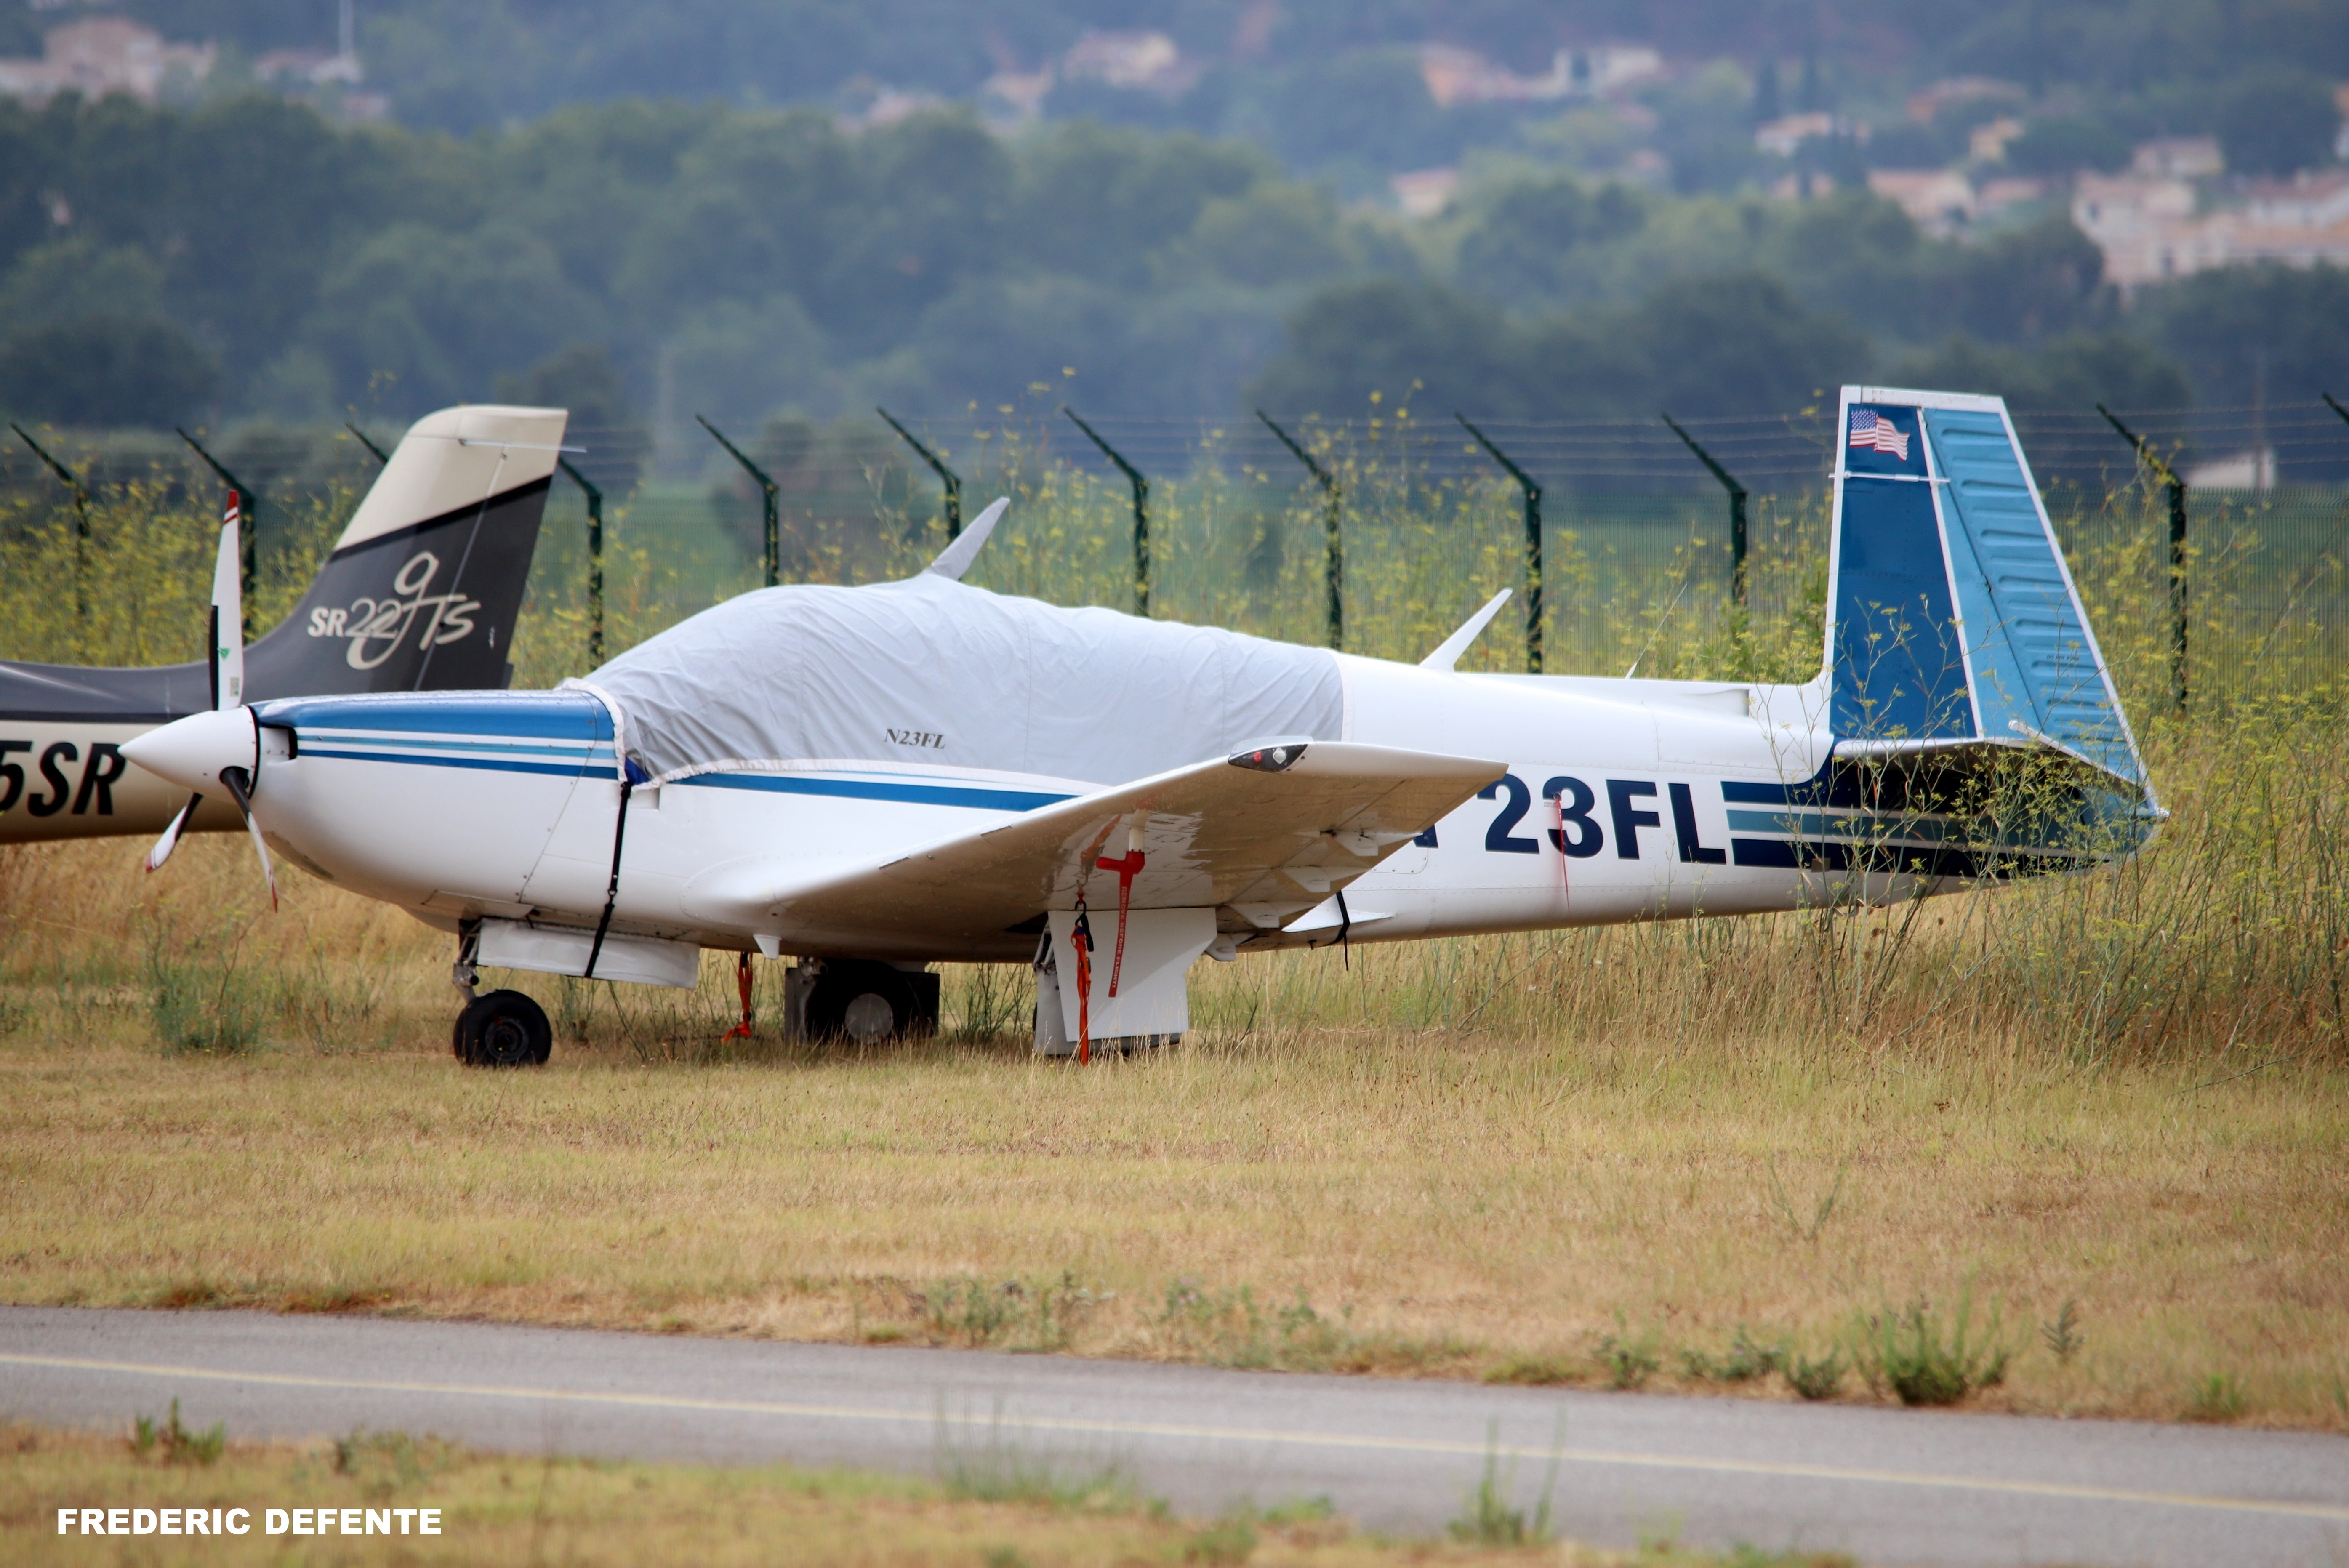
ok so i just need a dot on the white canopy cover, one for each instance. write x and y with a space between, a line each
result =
934 671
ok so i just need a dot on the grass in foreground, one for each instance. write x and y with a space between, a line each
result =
1474 1196
508 1509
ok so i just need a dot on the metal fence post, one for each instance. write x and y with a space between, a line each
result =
1141 483
1737 539
1335 567
1533 544
774 538
249 545
2178 602
595 562
81 522
380 455
946 476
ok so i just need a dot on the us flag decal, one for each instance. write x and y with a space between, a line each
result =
1874 432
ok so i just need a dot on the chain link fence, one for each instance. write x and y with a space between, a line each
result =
1636 542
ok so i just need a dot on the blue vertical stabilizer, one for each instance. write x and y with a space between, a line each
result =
1952 616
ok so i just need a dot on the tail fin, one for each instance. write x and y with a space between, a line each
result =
1952 621
422 590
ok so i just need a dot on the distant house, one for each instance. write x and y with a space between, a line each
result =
1145 62
315 67
2178 157
1457 76
2144 225
2150 230
1926 104
1938 200
1986 143
1781 136
104 55
1424 192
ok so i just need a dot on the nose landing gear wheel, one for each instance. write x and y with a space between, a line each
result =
503 1030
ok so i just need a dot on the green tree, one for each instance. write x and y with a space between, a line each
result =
443 314
104 370
1275 233
1097 202
2284 329
2029 284
582 379
2065 144
2072 373
1740 343
78 276
1517 249
1350 340
2275 118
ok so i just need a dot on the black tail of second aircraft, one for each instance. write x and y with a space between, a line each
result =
421 592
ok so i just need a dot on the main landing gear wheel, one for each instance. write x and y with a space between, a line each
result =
861 1002
503 1030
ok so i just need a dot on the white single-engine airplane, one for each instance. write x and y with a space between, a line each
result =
421 592
881 778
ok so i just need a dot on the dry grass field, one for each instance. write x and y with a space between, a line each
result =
999 1511
2101 1121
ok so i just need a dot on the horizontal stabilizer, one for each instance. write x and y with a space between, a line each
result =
1276 828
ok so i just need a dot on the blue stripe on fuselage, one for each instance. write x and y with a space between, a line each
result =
485 764
866 790
976 797
535 715
581 750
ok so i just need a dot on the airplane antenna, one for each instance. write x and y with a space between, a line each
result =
1141 482
946 476
1335 568
1447 653
1658 630
252 529
774 540
1533 544
955 558
81 525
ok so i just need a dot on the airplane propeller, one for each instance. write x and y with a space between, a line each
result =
186 750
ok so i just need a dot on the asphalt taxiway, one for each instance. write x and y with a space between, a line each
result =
1887 1486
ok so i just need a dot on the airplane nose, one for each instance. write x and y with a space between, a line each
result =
191 751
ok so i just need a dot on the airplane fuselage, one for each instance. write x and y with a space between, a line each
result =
67 780
1626 800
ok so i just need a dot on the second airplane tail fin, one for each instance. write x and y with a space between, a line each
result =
423 588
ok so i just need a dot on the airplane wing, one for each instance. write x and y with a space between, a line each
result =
1268 832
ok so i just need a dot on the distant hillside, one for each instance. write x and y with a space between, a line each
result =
1543 210
1318 82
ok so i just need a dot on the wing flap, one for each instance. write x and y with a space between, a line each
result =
1226 831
